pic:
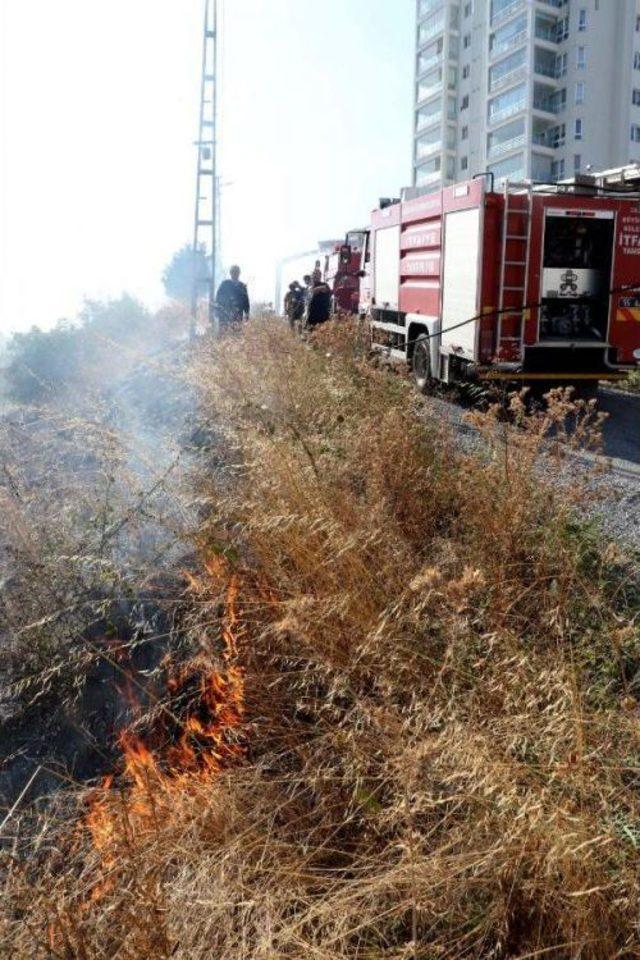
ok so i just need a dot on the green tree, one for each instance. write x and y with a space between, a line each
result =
45 364
178 276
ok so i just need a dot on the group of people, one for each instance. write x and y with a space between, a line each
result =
305 306
308 304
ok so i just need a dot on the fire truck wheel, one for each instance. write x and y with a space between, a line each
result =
421 363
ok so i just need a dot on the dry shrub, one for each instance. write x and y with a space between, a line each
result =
441 713
632 383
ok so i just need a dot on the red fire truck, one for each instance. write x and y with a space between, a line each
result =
526 283
342 271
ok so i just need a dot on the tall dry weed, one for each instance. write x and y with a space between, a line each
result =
441 702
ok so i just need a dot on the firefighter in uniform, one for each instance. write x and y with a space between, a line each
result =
319 304
232 300
294 303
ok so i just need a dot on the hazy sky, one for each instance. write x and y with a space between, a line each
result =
98 109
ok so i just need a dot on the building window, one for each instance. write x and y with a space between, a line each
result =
507 104
558 101
509 36
581 58
505 139
507 70
635 132
636 97
466 70
577 162
637 24
428 143
468 9
464 133
580 91
578 129
557 136
562 30
431 26
428 6
557 170
582 19
561 65
464 163
428 172
511 168
464 103
430 56
429 115
430 84
636 60
466 41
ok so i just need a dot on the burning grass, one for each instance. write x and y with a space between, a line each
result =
425 721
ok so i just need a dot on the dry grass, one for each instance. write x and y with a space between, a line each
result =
440 713
632 383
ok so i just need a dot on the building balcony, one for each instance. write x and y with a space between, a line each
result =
507 79
510 111
500 149
547 71
546 105
424 179
427 122
509 45
425 151
430 30
540 167
426 93
546 34
427 7
508 11
425 65
548 98
542 145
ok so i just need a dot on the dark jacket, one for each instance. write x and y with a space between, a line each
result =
319 307
232 302
294 304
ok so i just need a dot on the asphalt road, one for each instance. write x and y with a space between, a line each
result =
622 429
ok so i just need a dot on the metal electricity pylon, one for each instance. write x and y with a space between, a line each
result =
206 218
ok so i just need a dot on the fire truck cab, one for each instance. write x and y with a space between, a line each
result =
526 283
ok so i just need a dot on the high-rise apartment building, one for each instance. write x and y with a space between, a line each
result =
527 89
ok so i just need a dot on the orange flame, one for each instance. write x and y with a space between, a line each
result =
194 737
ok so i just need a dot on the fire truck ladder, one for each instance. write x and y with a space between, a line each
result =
514 269
206 220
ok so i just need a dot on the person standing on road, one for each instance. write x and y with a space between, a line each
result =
232 300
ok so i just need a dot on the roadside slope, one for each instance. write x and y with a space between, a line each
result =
438 748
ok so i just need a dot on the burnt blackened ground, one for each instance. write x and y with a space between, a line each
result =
95 536
66 730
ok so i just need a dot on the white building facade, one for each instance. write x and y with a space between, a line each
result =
526 89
